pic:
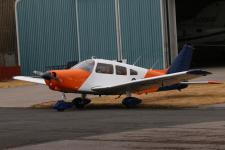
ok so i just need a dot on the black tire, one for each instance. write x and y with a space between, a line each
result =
80 103
60 110
131 102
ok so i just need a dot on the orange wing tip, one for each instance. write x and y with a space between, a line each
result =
214 82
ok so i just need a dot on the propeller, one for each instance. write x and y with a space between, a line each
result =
46 75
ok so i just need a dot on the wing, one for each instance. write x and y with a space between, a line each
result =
146 83
30 79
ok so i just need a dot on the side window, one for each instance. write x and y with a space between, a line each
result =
121 70
133 72
104 68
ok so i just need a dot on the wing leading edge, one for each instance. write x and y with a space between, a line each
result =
143 84
30 79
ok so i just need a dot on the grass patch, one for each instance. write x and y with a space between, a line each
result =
45 105
193 96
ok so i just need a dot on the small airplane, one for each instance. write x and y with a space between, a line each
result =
106 77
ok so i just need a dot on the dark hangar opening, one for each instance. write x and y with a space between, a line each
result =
202 23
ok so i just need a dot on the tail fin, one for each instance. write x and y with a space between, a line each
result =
183 60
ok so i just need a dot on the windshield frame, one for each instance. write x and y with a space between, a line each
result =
87 65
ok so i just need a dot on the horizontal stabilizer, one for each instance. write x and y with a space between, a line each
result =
202 82
199 72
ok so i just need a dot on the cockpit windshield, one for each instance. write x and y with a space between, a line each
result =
87 65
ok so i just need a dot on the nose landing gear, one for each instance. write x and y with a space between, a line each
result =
79 103
62 105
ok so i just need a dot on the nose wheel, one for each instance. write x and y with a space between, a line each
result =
80 102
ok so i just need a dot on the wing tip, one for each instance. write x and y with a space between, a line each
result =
16 77
214 82
29 79
199 72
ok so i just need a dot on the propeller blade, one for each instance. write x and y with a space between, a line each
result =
38 73
45 75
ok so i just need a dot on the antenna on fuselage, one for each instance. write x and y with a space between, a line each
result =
137 60
153 66
92 57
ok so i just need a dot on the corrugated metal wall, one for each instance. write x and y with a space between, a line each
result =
97 28
142 32
48 31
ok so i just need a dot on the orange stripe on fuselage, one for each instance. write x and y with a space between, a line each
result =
153 73
69 80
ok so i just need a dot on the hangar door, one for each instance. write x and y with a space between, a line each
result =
46 34
53 32
202 23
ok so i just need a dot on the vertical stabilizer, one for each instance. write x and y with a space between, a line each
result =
183 60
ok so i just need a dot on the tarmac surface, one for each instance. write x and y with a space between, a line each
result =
112 129
24 128
26 96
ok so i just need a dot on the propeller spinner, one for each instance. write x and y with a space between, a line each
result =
45 75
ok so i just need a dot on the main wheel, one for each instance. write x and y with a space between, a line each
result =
80 102
131 102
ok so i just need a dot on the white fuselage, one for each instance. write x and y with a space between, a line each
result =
103 80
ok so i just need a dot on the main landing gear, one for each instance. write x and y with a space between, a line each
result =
131 102
79 103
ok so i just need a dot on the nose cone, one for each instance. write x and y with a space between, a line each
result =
68 80
47 76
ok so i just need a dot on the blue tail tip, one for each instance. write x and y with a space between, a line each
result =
189 45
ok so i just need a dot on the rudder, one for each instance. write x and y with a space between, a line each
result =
183 60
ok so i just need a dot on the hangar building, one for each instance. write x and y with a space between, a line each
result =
8 45
202 23
53 32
